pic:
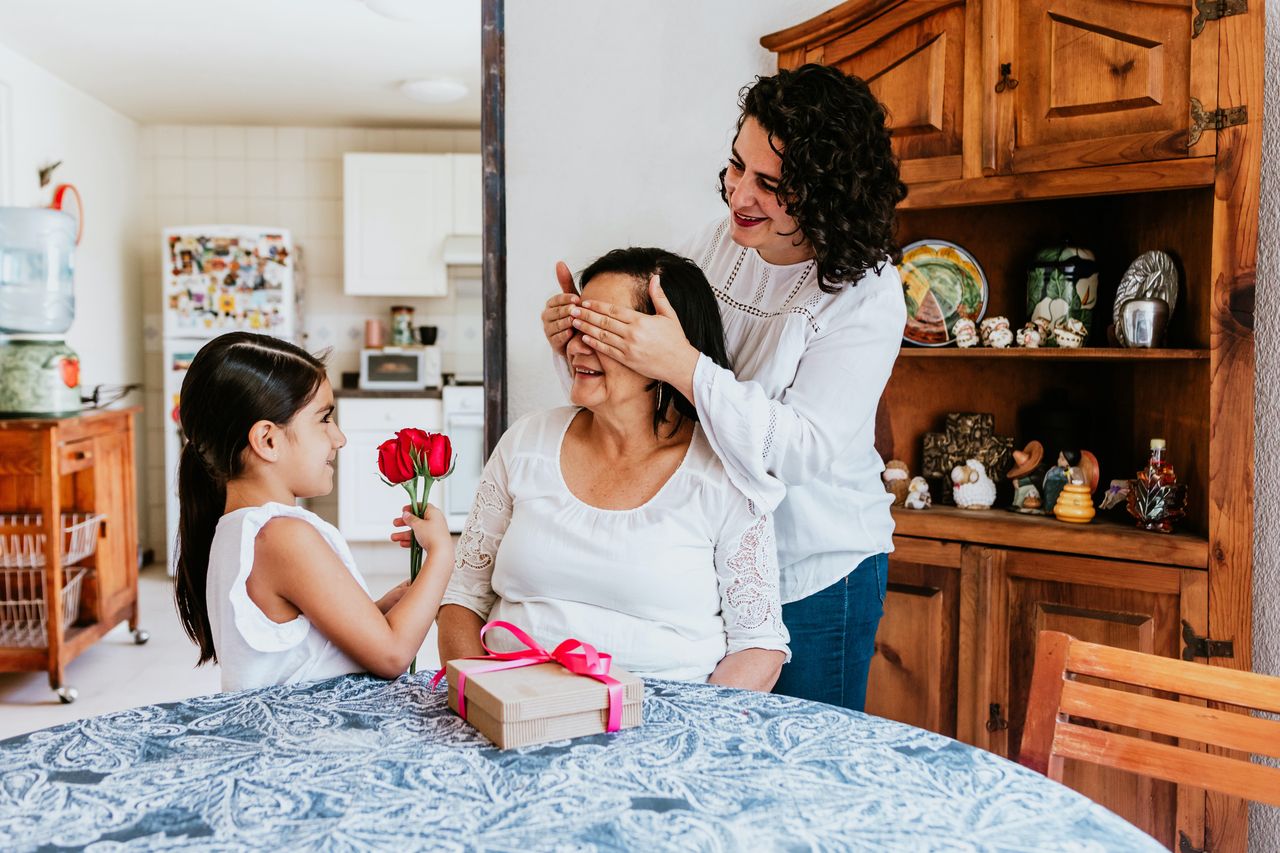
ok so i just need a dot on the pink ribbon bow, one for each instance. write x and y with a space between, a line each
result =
588 662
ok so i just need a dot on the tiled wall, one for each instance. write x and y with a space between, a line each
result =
289 177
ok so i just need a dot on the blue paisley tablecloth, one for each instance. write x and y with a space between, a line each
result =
356 763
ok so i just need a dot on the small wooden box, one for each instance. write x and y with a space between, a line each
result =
539 703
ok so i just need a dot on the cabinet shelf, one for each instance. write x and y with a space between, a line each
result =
1055 354
1100 538
1063 183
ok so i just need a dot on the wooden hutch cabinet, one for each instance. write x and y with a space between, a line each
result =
1122 127
68 539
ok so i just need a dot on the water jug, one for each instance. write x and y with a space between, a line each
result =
37 251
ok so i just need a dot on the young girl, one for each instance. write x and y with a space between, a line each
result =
266 588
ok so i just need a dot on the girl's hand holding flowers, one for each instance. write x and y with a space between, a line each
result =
414 460
430 531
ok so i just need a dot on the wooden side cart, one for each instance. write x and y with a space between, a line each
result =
68 539
1122 127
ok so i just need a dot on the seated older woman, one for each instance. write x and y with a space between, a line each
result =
612 521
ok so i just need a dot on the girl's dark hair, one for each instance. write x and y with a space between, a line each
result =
236 380
691 298
839 174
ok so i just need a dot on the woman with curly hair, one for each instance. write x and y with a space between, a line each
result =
813 314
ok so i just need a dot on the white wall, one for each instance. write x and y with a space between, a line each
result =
1265 826
289 177
48 121
618 117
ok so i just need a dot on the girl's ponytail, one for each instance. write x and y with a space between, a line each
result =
235 381
202 494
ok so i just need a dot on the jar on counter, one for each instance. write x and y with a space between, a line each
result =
402 325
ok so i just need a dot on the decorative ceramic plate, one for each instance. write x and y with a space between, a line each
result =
942 283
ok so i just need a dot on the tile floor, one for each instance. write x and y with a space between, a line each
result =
116 674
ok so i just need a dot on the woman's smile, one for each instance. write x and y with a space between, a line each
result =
744 221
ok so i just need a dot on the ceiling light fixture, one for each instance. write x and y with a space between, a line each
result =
402 10
434 90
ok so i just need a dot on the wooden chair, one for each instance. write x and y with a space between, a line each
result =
1056 699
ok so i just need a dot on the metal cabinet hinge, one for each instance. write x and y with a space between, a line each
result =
996 721
1203 647
1202 120
1213 10
1185 845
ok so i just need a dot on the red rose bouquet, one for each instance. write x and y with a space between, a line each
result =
414 460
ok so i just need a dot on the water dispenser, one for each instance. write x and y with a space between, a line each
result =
39 373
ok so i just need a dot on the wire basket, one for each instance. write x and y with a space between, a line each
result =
22 539
23 620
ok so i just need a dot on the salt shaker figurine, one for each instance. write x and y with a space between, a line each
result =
918 494
1025 475
1070 334
895 478
966 333
971 487
995 332
1030 336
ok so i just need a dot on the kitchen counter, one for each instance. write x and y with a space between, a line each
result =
360 393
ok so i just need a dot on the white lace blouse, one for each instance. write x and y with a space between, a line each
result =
668 588
794 421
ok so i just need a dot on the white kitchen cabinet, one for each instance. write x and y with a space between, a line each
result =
367 505
397 210
468 194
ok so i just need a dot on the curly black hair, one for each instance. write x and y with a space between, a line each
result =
839 174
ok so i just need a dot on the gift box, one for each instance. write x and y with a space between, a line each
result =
538 703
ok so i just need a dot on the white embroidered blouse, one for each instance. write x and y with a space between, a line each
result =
668 588
794 421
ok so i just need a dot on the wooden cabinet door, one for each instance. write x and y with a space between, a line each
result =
366 505
114 495
913 673
1127 605
913 57
1098 81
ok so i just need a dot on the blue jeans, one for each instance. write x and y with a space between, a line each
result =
833 636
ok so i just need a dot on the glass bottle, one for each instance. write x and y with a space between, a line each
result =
1156 499
1159 470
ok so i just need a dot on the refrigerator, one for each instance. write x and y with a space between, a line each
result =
218 279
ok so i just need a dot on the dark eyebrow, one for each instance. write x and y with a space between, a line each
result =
327 411
738 157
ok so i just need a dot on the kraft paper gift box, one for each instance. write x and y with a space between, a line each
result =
539 703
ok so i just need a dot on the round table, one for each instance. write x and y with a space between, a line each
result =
360 763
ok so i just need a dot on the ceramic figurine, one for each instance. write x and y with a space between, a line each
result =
1062 284
1030 336
1069 334
895 478
1059 476
1075 503
1025 475
966 333
995 333
971 486
918 494
1117 494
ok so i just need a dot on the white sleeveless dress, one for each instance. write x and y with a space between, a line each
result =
253 650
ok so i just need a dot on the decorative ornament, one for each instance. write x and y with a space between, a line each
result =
965 437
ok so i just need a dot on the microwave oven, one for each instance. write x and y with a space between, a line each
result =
399 368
